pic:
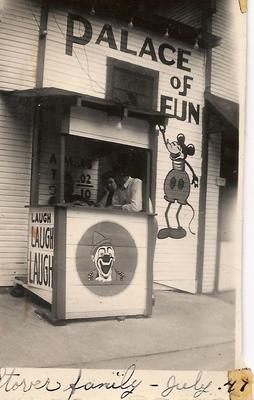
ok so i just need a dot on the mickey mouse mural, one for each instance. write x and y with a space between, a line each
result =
177 183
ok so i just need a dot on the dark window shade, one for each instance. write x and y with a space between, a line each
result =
132 85
132 89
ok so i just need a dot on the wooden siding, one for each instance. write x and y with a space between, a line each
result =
19 29
15 156
75 153
187 12
224 83
225 58
82 302
85 122
85 72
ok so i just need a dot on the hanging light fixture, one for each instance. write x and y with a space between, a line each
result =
130 24
166 34
92 12
123 115
119 124
196 45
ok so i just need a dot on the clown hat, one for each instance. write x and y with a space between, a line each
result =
100 240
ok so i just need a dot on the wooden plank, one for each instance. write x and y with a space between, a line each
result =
59 267
18 26
225 57
14 189
80 297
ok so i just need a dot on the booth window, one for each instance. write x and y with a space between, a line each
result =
86 162
132 85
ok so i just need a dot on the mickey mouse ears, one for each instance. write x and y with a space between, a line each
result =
180 138
190 149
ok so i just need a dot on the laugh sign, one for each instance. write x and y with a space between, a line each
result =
41 249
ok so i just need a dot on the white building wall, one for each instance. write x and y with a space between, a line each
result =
19 27
19 35
225 84
225 58
15 159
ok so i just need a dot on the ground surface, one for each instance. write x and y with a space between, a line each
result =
185 332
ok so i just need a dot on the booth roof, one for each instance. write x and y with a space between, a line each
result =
44 95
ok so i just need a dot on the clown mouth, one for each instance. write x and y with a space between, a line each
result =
105 266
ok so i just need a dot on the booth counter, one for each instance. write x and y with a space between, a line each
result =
89 262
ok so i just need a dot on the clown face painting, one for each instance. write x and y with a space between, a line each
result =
103 258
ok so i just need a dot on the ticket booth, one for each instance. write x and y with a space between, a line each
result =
87 260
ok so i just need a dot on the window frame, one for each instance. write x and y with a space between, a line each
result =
113 63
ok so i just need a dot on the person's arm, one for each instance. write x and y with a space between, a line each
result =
115 198
135 204
103 200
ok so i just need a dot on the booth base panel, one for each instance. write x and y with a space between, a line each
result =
114 314
43 294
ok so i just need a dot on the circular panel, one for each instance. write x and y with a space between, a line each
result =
106 258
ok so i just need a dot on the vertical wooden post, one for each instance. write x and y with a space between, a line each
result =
207 26
202 203
62 126
59 266
42 44
219 225
59 269
147 190
153 145
34 181
61 169
151 220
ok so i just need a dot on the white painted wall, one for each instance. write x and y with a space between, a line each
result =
19 36
15 159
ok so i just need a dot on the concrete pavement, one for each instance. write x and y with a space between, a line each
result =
185 332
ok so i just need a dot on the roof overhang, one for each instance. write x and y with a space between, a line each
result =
49 95
150 15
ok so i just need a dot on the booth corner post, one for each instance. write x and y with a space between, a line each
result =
58 310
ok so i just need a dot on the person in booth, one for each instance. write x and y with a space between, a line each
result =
110 187
128 195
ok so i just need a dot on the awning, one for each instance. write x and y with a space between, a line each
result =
118 109
226 109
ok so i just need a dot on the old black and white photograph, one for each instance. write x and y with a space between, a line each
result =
120 189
